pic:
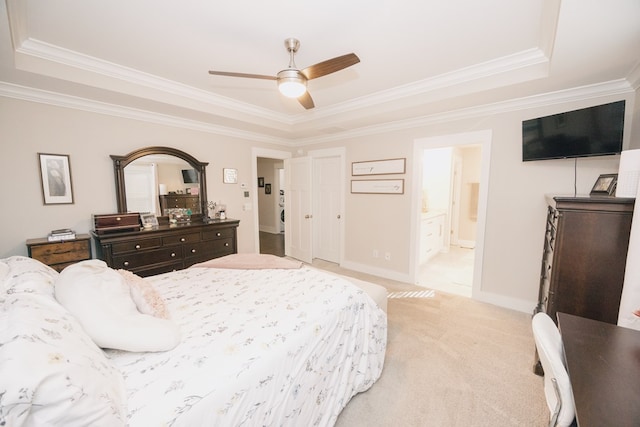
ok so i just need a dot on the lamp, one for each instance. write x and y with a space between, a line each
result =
292 83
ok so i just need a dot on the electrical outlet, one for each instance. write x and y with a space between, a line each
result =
375 253
387 256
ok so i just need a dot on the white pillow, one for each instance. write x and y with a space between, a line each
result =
100 299
51 372
22 274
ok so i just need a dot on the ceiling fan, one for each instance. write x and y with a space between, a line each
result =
292 82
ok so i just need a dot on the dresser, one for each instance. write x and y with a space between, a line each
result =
60 254
584 256
182 201
167 247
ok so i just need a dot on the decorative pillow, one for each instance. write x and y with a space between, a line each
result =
147 299
100 299
28 275
51 372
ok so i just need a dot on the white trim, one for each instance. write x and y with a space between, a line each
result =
616 87
375 271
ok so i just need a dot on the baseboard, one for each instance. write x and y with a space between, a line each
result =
506 302
374 271
467 244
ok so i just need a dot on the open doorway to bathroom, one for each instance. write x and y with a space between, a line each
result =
448 217
464 184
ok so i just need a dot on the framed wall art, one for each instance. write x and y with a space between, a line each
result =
377 186
230 176
378 167
55 177
261 181
267 189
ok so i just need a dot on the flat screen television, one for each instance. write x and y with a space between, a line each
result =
189 176
593 131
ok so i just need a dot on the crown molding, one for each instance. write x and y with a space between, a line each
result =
616 87
583 93
24 93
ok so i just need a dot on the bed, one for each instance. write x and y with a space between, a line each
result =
218 345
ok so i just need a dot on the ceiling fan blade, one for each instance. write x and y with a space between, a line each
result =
330 66
249 76
306 101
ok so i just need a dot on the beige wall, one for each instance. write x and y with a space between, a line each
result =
515 212
27 128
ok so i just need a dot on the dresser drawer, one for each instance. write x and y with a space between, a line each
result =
222 233
148 257
181 238
158 269
61 252
136 245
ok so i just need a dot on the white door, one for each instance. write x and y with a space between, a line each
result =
297 205
326 208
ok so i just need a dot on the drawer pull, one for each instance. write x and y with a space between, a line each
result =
138 246
193 251
226 244
218 234
173 254
118 219
182 239
126 263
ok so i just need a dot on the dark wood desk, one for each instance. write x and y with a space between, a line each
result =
603 361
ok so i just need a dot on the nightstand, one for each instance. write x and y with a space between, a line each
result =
60 254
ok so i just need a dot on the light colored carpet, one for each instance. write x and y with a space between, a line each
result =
451 361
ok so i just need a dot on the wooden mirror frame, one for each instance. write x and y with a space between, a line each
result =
119 163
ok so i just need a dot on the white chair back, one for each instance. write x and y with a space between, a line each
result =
557 388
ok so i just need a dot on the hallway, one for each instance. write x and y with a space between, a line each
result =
272 243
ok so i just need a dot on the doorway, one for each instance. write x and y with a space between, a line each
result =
450 206
265 200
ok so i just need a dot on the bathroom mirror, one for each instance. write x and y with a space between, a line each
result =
146 179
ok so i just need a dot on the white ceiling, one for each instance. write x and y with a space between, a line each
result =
419 58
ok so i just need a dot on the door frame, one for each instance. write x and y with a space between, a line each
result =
482 138
267 154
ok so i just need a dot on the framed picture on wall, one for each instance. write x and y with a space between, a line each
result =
55 177
261 181
267 189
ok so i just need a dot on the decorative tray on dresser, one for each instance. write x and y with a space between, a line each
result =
167 247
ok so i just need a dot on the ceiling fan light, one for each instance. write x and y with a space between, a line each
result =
292 88
291 83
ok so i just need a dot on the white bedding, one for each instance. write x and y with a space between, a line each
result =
259 348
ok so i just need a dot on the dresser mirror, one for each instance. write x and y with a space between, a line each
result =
147 178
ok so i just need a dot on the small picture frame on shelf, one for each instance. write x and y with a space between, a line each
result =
148 220
605 185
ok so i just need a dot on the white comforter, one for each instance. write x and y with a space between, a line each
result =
259 348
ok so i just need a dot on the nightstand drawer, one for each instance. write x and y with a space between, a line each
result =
62 253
